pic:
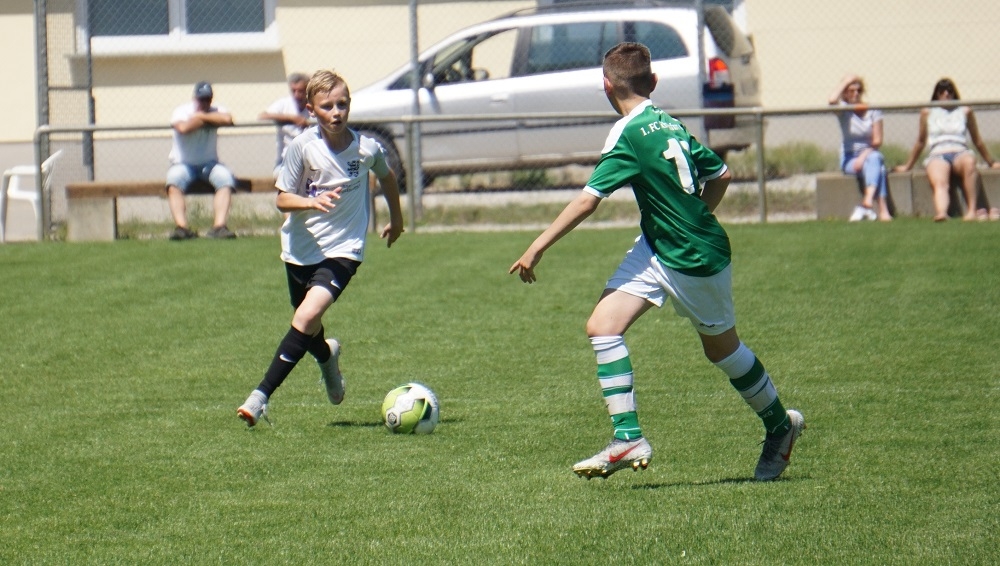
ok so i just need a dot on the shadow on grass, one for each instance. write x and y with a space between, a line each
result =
376 424
722 481
372 424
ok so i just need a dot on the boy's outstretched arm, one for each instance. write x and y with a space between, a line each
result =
715 189
575 212
390 190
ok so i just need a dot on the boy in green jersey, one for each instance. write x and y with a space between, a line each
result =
682 254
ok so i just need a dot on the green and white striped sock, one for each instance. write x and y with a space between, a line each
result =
747 375
614 371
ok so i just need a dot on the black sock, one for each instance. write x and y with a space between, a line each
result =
290 351
318 347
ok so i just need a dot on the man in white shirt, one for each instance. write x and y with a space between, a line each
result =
290 114
194 157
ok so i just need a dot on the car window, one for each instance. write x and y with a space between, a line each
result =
662 40
493 57
484 57
564 47
451 57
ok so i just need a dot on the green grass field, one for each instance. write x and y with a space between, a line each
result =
122 365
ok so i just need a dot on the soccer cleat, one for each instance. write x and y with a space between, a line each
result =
254 409
618 455
332 378
778 449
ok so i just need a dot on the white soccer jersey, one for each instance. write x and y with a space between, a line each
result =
311 168
197 147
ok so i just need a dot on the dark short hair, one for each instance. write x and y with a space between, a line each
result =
297 78
943 85
627 66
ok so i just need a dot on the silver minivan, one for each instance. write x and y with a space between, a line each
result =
548 60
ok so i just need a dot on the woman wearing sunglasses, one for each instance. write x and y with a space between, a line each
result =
860 156
946 129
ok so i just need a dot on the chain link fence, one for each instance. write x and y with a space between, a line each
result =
122 66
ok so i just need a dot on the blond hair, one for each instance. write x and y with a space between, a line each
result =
324 81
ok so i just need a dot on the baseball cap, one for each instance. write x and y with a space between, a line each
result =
203 90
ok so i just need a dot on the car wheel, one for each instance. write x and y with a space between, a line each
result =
391 155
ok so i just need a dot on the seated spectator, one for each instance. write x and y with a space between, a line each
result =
859 155
194 156
290 114
947 129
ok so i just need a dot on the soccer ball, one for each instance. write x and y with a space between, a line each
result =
411 409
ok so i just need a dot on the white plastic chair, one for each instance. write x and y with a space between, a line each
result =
19 183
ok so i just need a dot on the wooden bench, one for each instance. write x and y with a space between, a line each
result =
909 194
92 207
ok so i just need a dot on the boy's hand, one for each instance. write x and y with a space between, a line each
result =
391 233
323 202
525 266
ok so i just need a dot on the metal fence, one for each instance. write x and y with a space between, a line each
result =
111 71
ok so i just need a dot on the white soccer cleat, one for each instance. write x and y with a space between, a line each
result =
778 449
254 409
618 455
332 378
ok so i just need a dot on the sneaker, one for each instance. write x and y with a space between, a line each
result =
183 234
254 409
861 213
619 454
778 449
221 233
332 378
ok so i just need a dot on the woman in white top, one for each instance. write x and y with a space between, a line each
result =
859 155
947 129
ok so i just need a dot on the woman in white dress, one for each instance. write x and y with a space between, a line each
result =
947 129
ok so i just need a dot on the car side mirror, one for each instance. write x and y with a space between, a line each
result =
428 81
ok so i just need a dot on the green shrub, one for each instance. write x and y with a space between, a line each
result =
782 161
530 178
895 155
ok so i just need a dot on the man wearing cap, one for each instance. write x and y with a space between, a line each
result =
194 156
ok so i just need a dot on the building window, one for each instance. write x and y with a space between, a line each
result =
141 27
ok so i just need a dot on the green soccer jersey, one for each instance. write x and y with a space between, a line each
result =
666 166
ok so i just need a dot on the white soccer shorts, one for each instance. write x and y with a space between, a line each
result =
706 301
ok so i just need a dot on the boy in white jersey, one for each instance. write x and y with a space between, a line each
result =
323 186
682 254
